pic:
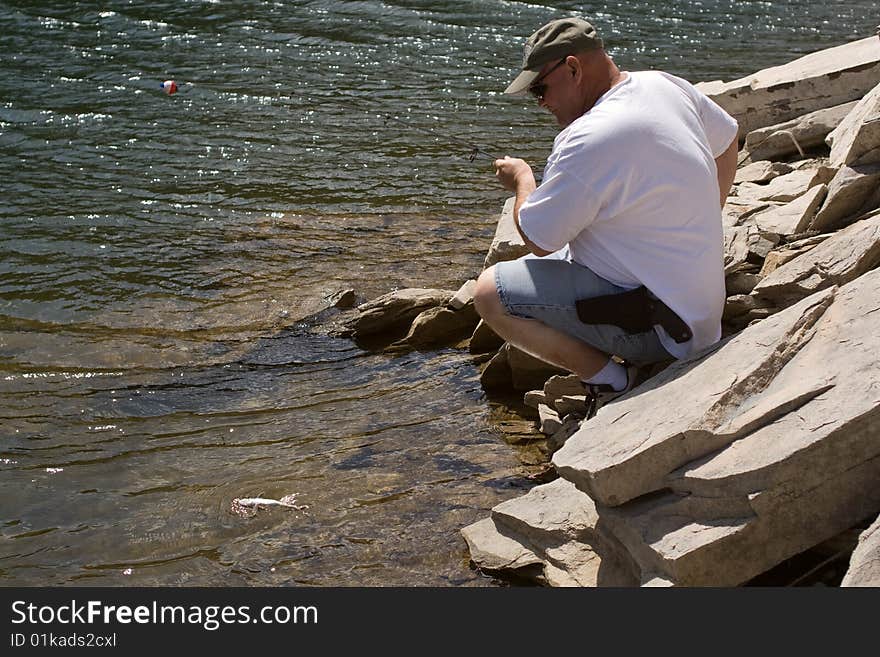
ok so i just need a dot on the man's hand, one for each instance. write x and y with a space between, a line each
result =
515 175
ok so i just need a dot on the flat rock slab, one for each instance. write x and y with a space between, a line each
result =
793 217
864 565
786 187
841 258
795 136
726 464
761 171
816 81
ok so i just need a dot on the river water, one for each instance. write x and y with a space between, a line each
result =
160 256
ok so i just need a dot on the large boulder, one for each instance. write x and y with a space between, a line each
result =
728 463
816 81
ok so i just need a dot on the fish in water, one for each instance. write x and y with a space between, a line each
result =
247 506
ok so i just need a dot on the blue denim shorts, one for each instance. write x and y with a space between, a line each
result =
546 289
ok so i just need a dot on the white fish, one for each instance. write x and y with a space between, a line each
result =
260 501
243 505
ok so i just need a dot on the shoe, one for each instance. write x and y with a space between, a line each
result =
600 394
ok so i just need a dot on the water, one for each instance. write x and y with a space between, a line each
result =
161 256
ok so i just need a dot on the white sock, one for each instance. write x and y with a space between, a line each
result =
613 374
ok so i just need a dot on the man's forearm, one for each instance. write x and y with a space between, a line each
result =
522 193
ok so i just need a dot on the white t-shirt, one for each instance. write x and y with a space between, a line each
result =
631 186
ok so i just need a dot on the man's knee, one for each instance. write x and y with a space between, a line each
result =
486 299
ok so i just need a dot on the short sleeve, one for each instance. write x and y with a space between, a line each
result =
557 210
720 127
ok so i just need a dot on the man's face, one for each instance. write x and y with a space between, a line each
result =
555 90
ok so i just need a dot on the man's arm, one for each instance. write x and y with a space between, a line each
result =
726 165
516 176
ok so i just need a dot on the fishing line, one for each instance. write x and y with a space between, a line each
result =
474 150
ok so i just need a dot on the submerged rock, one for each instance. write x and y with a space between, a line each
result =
395 311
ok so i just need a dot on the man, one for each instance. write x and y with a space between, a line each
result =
631 198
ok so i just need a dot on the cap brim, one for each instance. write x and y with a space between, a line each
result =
522 82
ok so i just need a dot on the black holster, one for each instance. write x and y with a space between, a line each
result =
636 311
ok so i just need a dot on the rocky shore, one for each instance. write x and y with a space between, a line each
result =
766 446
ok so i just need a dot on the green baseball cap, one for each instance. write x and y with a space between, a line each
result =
555 40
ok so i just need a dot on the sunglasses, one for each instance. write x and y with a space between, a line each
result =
538 88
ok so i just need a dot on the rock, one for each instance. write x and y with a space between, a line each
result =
534 398
528 372
779 256
741 282
857 139
557 390
736 211
441 326
816 81
507 244
736 248
394 311
770 446
557 387
562 521
570 425
843 257
464 296
738 304
513 369
761 172
793 217
571 405
852 192
342 299
745 246
484 340
550 422
864 565
497 375
492 551
795 136
787 187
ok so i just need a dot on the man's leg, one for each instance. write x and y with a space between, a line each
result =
531 303
533 336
